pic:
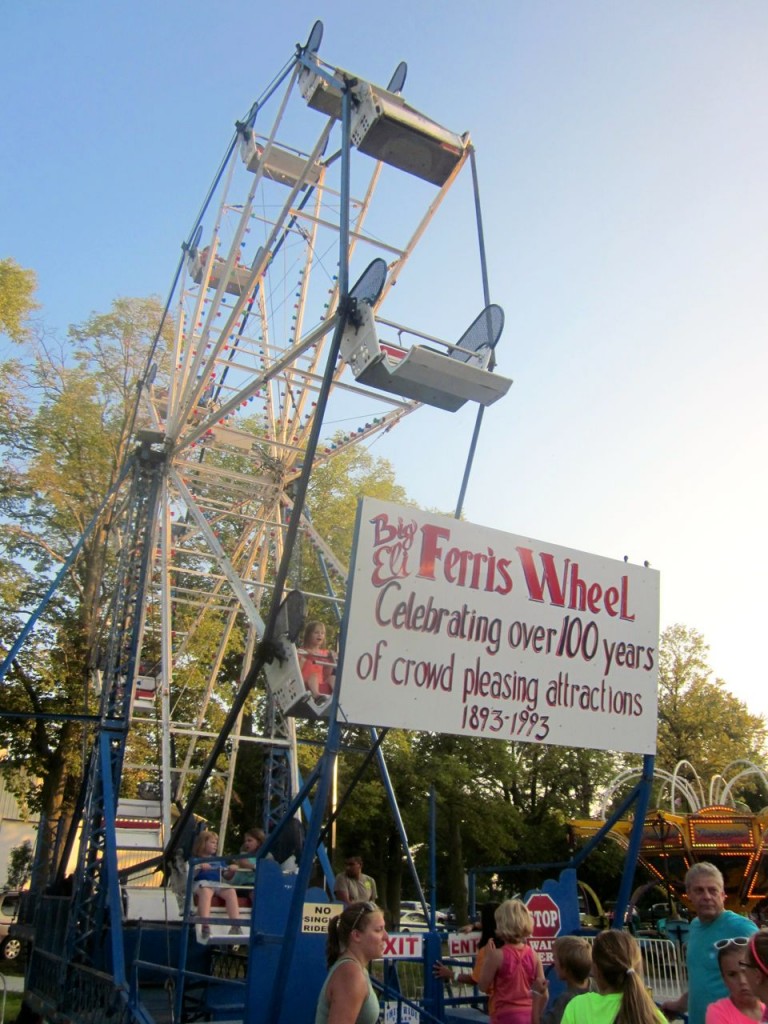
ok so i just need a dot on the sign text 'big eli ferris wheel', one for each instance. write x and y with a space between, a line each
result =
456 628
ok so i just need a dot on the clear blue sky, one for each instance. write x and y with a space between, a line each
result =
623 160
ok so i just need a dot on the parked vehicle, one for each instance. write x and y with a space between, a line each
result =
415 921
660 911
448 916
10 946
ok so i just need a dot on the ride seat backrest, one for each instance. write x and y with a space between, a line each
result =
482 333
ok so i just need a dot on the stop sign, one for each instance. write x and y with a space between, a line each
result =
546 924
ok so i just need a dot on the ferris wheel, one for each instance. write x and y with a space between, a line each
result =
279 364
289 346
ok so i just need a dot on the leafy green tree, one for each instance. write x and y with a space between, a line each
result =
20 864
507 805
339 483
699 720
64 426
476 826
17 289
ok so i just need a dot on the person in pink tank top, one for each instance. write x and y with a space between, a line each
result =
317 663
513 971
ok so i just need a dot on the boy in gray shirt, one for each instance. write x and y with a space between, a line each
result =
572 961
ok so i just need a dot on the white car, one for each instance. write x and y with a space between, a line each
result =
415 921
10 948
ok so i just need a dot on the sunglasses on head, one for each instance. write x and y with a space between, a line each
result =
739 940
365 908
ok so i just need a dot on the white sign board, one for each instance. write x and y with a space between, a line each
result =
460 629
464 943
403 946
316 917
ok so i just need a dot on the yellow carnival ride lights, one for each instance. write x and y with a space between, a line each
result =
697 826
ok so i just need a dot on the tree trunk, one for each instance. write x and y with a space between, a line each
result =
393 876
456 869
57 799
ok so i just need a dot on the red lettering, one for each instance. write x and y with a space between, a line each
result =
625 600
463 945
506 580
457 558
548 579
430 549
581 594
578 589
402 946
390 562
480 560
382 531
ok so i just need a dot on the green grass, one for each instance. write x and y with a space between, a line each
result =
12 1006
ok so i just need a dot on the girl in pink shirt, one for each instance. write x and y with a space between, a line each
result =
514 971
743 1004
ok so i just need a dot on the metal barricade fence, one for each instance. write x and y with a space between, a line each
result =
402 982
664 967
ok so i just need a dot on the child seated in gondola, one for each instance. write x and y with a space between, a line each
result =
318 664
208 882
241 872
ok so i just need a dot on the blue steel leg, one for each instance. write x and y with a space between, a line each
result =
385 778
333 740
635 840
293 924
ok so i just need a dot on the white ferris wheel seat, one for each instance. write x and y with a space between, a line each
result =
237 281
446 380
387 128
278 163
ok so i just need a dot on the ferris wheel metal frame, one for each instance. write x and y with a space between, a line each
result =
221 494
232 477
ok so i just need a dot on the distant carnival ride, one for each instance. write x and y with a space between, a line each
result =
690 825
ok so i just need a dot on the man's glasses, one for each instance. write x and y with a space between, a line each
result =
365 908
739 940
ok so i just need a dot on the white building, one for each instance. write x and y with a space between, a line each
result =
15 828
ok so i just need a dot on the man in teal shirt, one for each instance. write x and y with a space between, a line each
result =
706 895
